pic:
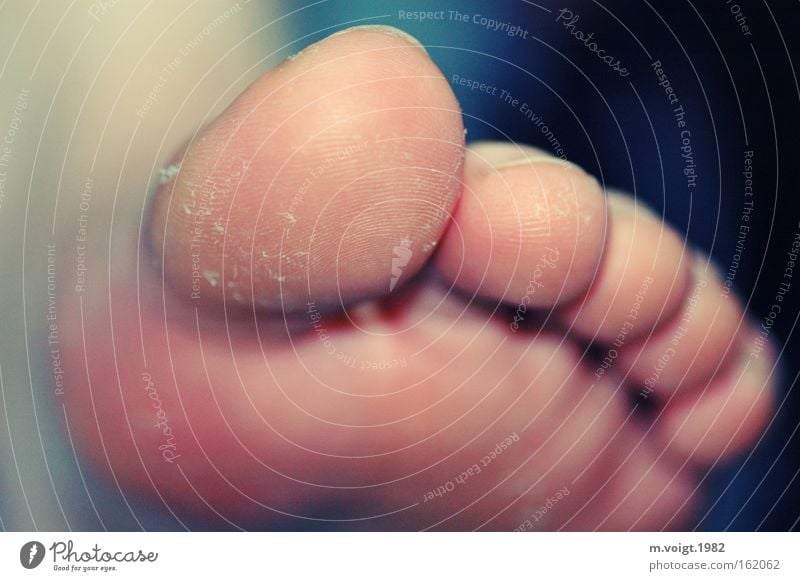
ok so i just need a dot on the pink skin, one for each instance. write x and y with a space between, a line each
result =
370 408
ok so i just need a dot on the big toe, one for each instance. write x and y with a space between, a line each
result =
332 177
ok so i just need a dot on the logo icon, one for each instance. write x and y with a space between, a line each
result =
402 254
31 554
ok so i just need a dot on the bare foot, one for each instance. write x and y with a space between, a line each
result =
352 324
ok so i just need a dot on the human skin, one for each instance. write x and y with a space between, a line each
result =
254 370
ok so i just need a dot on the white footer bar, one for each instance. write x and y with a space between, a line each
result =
403 556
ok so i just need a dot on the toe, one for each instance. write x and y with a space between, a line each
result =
729 414
642 280
311 179
527 228
694 345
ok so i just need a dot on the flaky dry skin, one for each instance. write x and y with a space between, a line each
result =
314 170
352 331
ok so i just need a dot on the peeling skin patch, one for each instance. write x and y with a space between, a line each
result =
218 227
187 210
266 254
428 246
211 276
310 49
275 276
289 217
165 175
